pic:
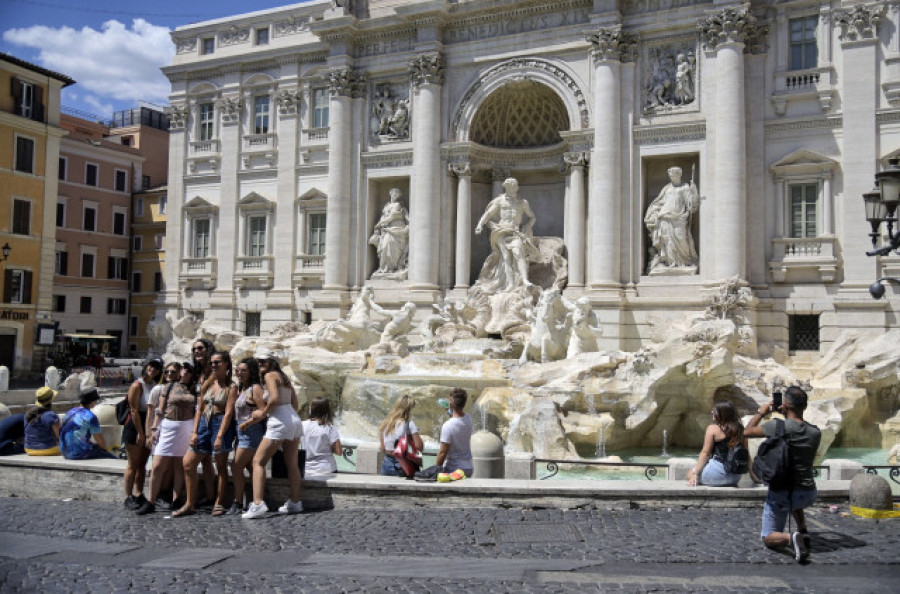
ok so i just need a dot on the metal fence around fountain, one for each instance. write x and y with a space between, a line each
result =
650 469
347 455
893 471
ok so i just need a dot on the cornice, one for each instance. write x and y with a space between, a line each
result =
821 123
659 134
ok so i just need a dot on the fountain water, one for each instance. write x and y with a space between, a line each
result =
601 443
665 444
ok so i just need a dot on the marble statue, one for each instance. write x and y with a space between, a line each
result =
359 330
668 220
582 334
391 239
549 329
684 80
512 245
393 340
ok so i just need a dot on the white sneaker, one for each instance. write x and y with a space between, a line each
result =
291 507
255 511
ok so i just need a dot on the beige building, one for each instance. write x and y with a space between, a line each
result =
148 255
29 150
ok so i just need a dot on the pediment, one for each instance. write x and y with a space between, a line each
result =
200 204
311 195
803 161
253 199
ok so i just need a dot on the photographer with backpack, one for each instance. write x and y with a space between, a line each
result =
785 462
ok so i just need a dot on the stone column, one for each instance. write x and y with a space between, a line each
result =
225 246
343 83
827 206
575 213
427 76
726 33
177 244
463 173
860 55
283 248
611 46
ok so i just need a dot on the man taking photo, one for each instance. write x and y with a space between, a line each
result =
800 491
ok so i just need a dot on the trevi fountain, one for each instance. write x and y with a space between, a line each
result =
529 356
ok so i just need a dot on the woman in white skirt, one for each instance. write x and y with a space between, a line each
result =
172 426
284 430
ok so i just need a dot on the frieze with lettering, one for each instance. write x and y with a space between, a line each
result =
378 47
16 316
641 6
513 26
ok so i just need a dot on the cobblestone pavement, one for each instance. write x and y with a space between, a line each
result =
67 546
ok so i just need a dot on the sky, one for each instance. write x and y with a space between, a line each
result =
112 48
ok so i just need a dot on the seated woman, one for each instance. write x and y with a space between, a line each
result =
723 434
320 439
42 426
392 429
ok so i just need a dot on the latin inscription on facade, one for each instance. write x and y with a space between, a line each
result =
383 46
642 6
513 26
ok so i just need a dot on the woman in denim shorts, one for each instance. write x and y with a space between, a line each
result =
214 433
249 431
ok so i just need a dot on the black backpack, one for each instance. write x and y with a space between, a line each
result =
738 460
772 464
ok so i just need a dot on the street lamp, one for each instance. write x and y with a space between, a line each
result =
6 250
881 207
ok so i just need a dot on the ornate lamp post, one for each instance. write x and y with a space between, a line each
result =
881 207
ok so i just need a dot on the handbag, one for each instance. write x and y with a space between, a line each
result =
407 454
123 411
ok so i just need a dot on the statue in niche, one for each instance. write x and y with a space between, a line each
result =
390 237
668 220
390 115
672 82
512 245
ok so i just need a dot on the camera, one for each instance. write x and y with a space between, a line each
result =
776 398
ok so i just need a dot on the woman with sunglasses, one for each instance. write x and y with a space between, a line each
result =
134 435
213 435
251 397
173 420
724 433
284 430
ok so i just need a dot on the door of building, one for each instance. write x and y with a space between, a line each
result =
8 350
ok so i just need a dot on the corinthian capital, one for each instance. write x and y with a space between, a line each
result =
427 69
178 116
733 25
575 159
460 169
613 43
346 82
859 22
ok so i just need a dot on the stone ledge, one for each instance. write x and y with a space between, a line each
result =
101 480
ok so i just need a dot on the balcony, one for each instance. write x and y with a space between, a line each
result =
800 260
802 85
198 273
308 267
259 142
205 147
254 272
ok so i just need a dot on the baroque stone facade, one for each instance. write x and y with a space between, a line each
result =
291 127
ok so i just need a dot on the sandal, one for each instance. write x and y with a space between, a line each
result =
184 511
218 510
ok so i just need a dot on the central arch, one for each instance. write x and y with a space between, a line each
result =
553 76
520 114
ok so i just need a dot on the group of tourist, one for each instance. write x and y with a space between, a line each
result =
782 500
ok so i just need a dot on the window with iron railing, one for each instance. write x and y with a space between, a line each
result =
803 50
803 332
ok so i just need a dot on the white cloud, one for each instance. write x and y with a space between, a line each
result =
115 63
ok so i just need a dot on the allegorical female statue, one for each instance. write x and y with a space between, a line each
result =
390 237
669 221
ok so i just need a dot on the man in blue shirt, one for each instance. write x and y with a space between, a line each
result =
78 426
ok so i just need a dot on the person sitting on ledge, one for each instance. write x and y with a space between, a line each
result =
42 425
724 433
12 433
79 424
456 436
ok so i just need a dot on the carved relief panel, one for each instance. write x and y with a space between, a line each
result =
389 112
669 76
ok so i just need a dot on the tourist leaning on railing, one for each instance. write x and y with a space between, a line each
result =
724 433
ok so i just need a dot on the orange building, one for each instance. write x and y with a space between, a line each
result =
148 233
30 135
97 174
